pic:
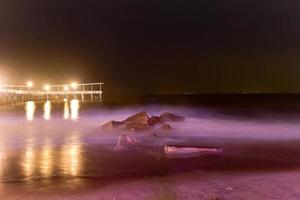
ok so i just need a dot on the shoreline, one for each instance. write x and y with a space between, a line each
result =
210 185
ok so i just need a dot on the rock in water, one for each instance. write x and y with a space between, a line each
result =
137 122
125 141
141 118
165 127
141 122
169 117
177 152
112 125
154 120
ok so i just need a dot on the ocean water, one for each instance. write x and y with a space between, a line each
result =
50 141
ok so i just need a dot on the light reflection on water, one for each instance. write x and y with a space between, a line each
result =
71 155
41 157
29 159
66 110
46 162
47 110
70 110
30 109
2 157
76 147
74 109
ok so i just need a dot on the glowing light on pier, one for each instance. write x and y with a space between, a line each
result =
30 110
74 85
29 84
66 88
47 87
47 110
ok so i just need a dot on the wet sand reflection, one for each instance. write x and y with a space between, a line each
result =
47 159
43 158
2 158
29 159
71 157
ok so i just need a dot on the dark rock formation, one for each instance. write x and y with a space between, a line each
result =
140 118
141 122
113 125
154 120
125 142
169 117
137 122
165 127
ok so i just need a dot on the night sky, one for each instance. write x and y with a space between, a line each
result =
154 46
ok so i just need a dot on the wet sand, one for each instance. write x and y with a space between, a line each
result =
188 185
247 170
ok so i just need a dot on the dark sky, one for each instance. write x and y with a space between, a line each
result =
154 46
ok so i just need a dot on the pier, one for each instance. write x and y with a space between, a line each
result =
20 93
